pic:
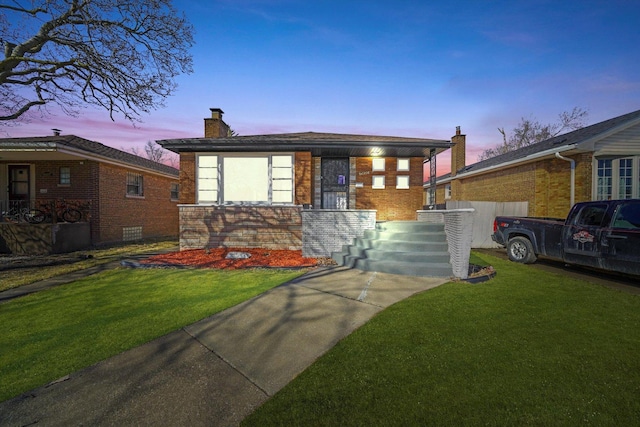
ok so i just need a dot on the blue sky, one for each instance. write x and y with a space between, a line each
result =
402 68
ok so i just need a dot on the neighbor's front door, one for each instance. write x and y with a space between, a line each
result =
19 182
335 183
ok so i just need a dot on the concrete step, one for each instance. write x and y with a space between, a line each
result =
401 246
404 268
409 226
432 236
375 254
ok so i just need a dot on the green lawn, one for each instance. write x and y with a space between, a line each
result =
526 348
58 331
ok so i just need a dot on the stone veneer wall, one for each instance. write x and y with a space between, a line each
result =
325 231
458 226
268 227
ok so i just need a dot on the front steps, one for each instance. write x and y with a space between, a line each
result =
410 248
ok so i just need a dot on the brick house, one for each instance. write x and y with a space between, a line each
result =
597 162
122 196
253 191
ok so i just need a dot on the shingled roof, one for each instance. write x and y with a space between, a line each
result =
325 144
82 146
561 142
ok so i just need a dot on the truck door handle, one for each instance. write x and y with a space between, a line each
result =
616 236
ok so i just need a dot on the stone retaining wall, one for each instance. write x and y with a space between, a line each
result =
269 227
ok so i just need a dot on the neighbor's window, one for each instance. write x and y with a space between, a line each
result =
377 181
65 176
378 164
254 179
134 184
402 182
175 191
403 164
447 191
617 178
625 188
604 184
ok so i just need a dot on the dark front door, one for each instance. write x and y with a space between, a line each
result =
19 182
335 183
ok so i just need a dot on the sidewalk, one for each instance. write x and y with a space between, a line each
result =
220 369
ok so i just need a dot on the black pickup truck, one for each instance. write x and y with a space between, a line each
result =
601 234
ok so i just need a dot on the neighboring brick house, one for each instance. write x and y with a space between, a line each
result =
122 196
250 191
597 162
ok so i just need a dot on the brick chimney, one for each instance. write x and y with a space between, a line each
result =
215 127
458 152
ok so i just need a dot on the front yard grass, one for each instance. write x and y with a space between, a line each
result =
525 348
55 332
24 276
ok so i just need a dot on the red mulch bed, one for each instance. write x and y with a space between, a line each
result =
215 258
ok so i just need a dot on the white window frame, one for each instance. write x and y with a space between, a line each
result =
404 165
284 181
447 191
378 182
378 164
402 182
616 185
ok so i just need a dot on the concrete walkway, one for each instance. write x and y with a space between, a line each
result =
219 370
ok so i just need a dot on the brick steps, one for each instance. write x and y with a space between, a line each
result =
412 248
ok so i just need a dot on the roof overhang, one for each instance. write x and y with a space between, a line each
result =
547 154
320 145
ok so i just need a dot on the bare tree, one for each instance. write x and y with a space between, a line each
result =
531 131
153 151
121 55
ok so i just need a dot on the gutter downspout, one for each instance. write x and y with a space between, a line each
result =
573 176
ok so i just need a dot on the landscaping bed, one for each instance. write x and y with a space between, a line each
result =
233 259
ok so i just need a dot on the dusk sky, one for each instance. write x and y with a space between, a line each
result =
399 68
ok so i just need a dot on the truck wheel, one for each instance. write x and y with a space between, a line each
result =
520 249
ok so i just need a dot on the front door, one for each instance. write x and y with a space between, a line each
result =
335 183
19 183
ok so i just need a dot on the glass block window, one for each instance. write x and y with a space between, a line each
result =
377 164
402 182
377 182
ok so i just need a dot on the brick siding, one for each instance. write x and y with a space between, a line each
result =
545 184
391 203
155 212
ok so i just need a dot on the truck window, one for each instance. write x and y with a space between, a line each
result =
627 216
591 215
